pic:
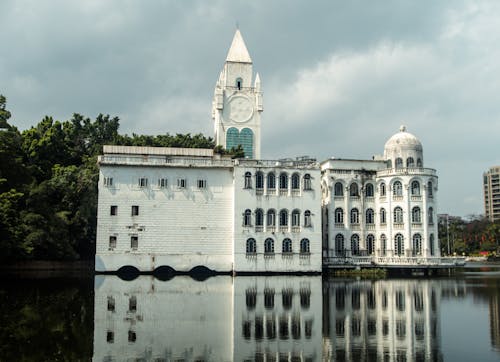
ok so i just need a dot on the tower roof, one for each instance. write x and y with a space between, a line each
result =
238 51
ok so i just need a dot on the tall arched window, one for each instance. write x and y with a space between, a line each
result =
338 189
271 217
415 188
305 246
389 163
239 83
430 216
410 162
397 188
339 245
382 189
271 181
283 181
307 182
287 245
232 138
383 217
355 244
370 216
419 162
339 215
354 189
295 182
283 217
259 180
259 217
416 215
248 180
399 245
383 244
295 217
429 188
370 244
269 246
431 244
247 218
399 162
307 219
369 190
417 245
251 246
246 140
354 216
398 215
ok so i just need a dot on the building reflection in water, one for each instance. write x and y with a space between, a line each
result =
274 318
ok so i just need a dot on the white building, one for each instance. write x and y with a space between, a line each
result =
186 208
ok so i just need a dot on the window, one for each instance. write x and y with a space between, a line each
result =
162 183
430 216
286 300
370 244
259 217
202 184
429 188
269 246
295 217
132 336
269 298
110 337
271 217
354 190
369 190
283 218
338 189
271 181
287 245
397 189
134 242
307 182
259 180
295 181
399 245
305 246
399 162
113 211
143 182
135 210
398 215
354 216
431 244
251 298
181 183
247 218
355 244
419 162
383 244
251 246
383 220
417 244
239 83
410 162
415 188
339 244
370 216
112 242
415 215
111 303
307 219
339 215
248 180
283 181
108 181
389 164
382 189
132 304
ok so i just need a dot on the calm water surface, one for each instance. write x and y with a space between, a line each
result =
252 318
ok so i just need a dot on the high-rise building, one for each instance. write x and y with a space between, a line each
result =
491 189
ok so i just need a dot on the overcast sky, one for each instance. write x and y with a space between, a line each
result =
339 77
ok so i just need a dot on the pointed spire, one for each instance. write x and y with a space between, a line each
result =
257 82
238 51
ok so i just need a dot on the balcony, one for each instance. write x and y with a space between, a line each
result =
407 171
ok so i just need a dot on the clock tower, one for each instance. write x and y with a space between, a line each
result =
237 103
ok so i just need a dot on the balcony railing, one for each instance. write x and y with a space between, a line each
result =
407 171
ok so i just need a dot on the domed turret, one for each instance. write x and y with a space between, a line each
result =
404 150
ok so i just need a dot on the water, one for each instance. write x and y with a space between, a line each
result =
274 318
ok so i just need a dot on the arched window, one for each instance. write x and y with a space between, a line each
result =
354 189
382 189
307 219
307 182
431 244
389 163
355 244
398 215
295 181
305 246
415 188
271 217
259 180
370 216
399 162
251 246
295 217
399 245
370 244
417 245
271 181
339 245
247 218
283 217
369 190
283 181
383 244
419 162
415 215
246 140
430 216
269 246
339 215
239 83
429 188
397 188
287 245
410 162
232 138
259 217
383 218
354 216
248 180
339 189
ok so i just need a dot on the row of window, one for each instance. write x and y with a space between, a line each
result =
286 246
113 210
286 298
143 182
369 189
416 216
410 162
399 245
283 179
134 242
271 218
268 329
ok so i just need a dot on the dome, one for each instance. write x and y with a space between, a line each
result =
403 150
403 140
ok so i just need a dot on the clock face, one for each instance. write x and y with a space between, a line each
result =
240 109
